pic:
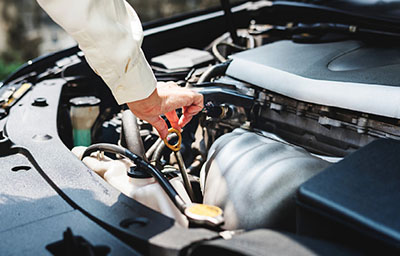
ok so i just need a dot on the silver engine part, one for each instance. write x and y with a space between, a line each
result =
253 177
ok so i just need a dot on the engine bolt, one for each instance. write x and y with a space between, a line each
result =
40 102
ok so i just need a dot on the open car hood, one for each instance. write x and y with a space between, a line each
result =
385 10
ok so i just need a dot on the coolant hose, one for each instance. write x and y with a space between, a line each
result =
162 149
130 134
165 184
214 71
153 148
158 153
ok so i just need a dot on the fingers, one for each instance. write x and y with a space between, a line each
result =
198 101
184 120
177 123
160 125
164 100
173 119
188 113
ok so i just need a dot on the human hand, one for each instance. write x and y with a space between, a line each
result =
165 99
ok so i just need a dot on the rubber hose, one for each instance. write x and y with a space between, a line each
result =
214 71
130 134
158 153
153 148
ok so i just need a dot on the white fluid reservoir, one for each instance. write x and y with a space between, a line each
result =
143 189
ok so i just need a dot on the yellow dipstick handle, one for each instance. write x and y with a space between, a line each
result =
176 147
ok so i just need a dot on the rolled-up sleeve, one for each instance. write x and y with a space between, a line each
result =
110 34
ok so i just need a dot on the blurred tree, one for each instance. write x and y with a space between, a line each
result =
21 45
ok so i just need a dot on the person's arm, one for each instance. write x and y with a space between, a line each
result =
110 34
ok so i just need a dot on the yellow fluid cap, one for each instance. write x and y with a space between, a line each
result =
205 210
205 214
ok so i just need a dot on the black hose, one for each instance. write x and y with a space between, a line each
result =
214 71
195 167
219 95
165 184
158 153
130 134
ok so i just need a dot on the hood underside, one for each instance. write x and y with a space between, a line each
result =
387 10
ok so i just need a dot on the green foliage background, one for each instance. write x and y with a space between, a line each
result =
20 47
6 68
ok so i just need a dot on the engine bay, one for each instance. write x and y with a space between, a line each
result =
283 102
277 112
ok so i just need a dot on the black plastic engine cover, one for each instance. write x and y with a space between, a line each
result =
270 242
356 201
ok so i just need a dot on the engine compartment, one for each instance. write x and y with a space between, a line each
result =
291 95
277 113
283 102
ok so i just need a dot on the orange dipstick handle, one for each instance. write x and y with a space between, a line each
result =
176 147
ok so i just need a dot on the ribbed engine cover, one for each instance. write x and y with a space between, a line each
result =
253 177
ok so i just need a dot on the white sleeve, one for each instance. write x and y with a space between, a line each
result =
110 34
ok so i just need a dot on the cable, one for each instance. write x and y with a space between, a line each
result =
62 73
214 71
235 46
164 183
214 45
224 40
